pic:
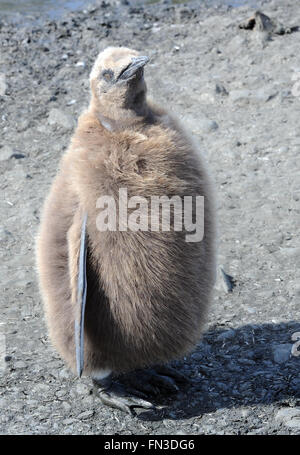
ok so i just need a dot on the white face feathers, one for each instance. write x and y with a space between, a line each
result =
117 83
112 59
117 66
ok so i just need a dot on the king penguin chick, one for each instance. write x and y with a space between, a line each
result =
147 290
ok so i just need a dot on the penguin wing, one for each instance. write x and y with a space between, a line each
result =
81 299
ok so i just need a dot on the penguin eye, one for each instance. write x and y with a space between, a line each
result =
107 75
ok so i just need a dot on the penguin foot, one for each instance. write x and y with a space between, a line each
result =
114 394
156 381
131 390
170 372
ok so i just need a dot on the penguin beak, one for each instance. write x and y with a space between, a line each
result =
130 70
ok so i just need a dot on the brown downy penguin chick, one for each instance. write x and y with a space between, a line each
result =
147 289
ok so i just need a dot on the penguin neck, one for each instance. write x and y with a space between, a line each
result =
120 118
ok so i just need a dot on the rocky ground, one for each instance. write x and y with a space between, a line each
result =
238 93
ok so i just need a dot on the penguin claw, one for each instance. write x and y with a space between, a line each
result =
141 383
114 402
172 373
163 382
123 403
143 389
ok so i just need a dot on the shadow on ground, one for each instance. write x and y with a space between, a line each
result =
248 366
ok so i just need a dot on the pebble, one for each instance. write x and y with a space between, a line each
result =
205 125
264 94
59 117
23 125
261 95
244 412
82 389
66 406
291 254
229 334
224 282
3 85
220 89
68 421
250 310
236 44
18 156
290 417
5 153
85 415
20 364
282 352
207 98
239 95
293 423
64 374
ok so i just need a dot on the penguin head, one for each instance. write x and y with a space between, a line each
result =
117 80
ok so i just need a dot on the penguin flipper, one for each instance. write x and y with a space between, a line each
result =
81 299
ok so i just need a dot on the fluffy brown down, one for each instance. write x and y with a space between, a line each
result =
148 292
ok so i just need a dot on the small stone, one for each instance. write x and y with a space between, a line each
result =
197 356
23 125
296 196
224 282
220 89
17 156
284 149
282 352
237 44
264 94
260 22
293 423
64 374
82 389
289 415
291 255
20 364
240 95
67 407
284 94
207 98
229 334
250 310
244 413
85 415
58 117
5 153
3 85
216 50
68 421
206 125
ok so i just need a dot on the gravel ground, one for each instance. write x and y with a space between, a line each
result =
238 93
